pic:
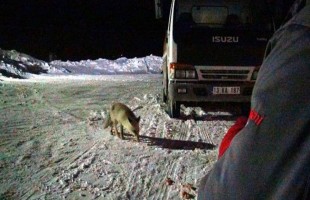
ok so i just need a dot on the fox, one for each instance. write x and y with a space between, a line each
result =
120 113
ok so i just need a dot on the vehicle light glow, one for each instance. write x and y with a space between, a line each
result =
255 73
182 90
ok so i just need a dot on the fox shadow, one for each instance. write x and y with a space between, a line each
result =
175 144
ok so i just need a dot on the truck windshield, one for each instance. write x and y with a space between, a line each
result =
209 15
225 17
230 33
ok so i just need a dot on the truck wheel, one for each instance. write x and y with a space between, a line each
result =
174 109
164 96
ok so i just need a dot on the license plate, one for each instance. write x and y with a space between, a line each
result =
226 90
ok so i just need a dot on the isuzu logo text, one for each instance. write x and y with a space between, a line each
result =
225 39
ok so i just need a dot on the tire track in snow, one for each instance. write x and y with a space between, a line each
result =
203 133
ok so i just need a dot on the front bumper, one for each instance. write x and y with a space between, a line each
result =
202 92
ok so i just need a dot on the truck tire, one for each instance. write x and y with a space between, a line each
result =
165 81
164 96
173 109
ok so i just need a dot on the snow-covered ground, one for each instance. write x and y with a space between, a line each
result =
53 145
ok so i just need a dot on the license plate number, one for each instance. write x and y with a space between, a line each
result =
226 90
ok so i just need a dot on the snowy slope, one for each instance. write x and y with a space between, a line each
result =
18 65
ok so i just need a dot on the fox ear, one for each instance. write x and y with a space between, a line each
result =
138 119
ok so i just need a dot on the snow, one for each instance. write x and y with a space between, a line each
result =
53 145
21 65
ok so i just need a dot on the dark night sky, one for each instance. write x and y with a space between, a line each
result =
81 29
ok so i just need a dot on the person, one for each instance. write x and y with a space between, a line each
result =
231 133
270 157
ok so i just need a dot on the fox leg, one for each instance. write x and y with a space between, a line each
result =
122 132
112 131
137 138
115 130
136 135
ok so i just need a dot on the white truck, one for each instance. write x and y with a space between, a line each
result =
213 50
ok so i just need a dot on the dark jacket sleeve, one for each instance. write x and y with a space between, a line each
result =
270 157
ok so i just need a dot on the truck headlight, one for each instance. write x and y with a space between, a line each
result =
180 73
183 71
185 74
255 73
190 74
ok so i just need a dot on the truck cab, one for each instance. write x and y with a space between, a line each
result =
213 51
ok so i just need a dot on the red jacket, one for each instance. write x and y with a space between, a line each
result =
233 130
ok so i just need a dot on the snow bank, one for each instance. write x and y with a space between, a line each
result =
18 65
